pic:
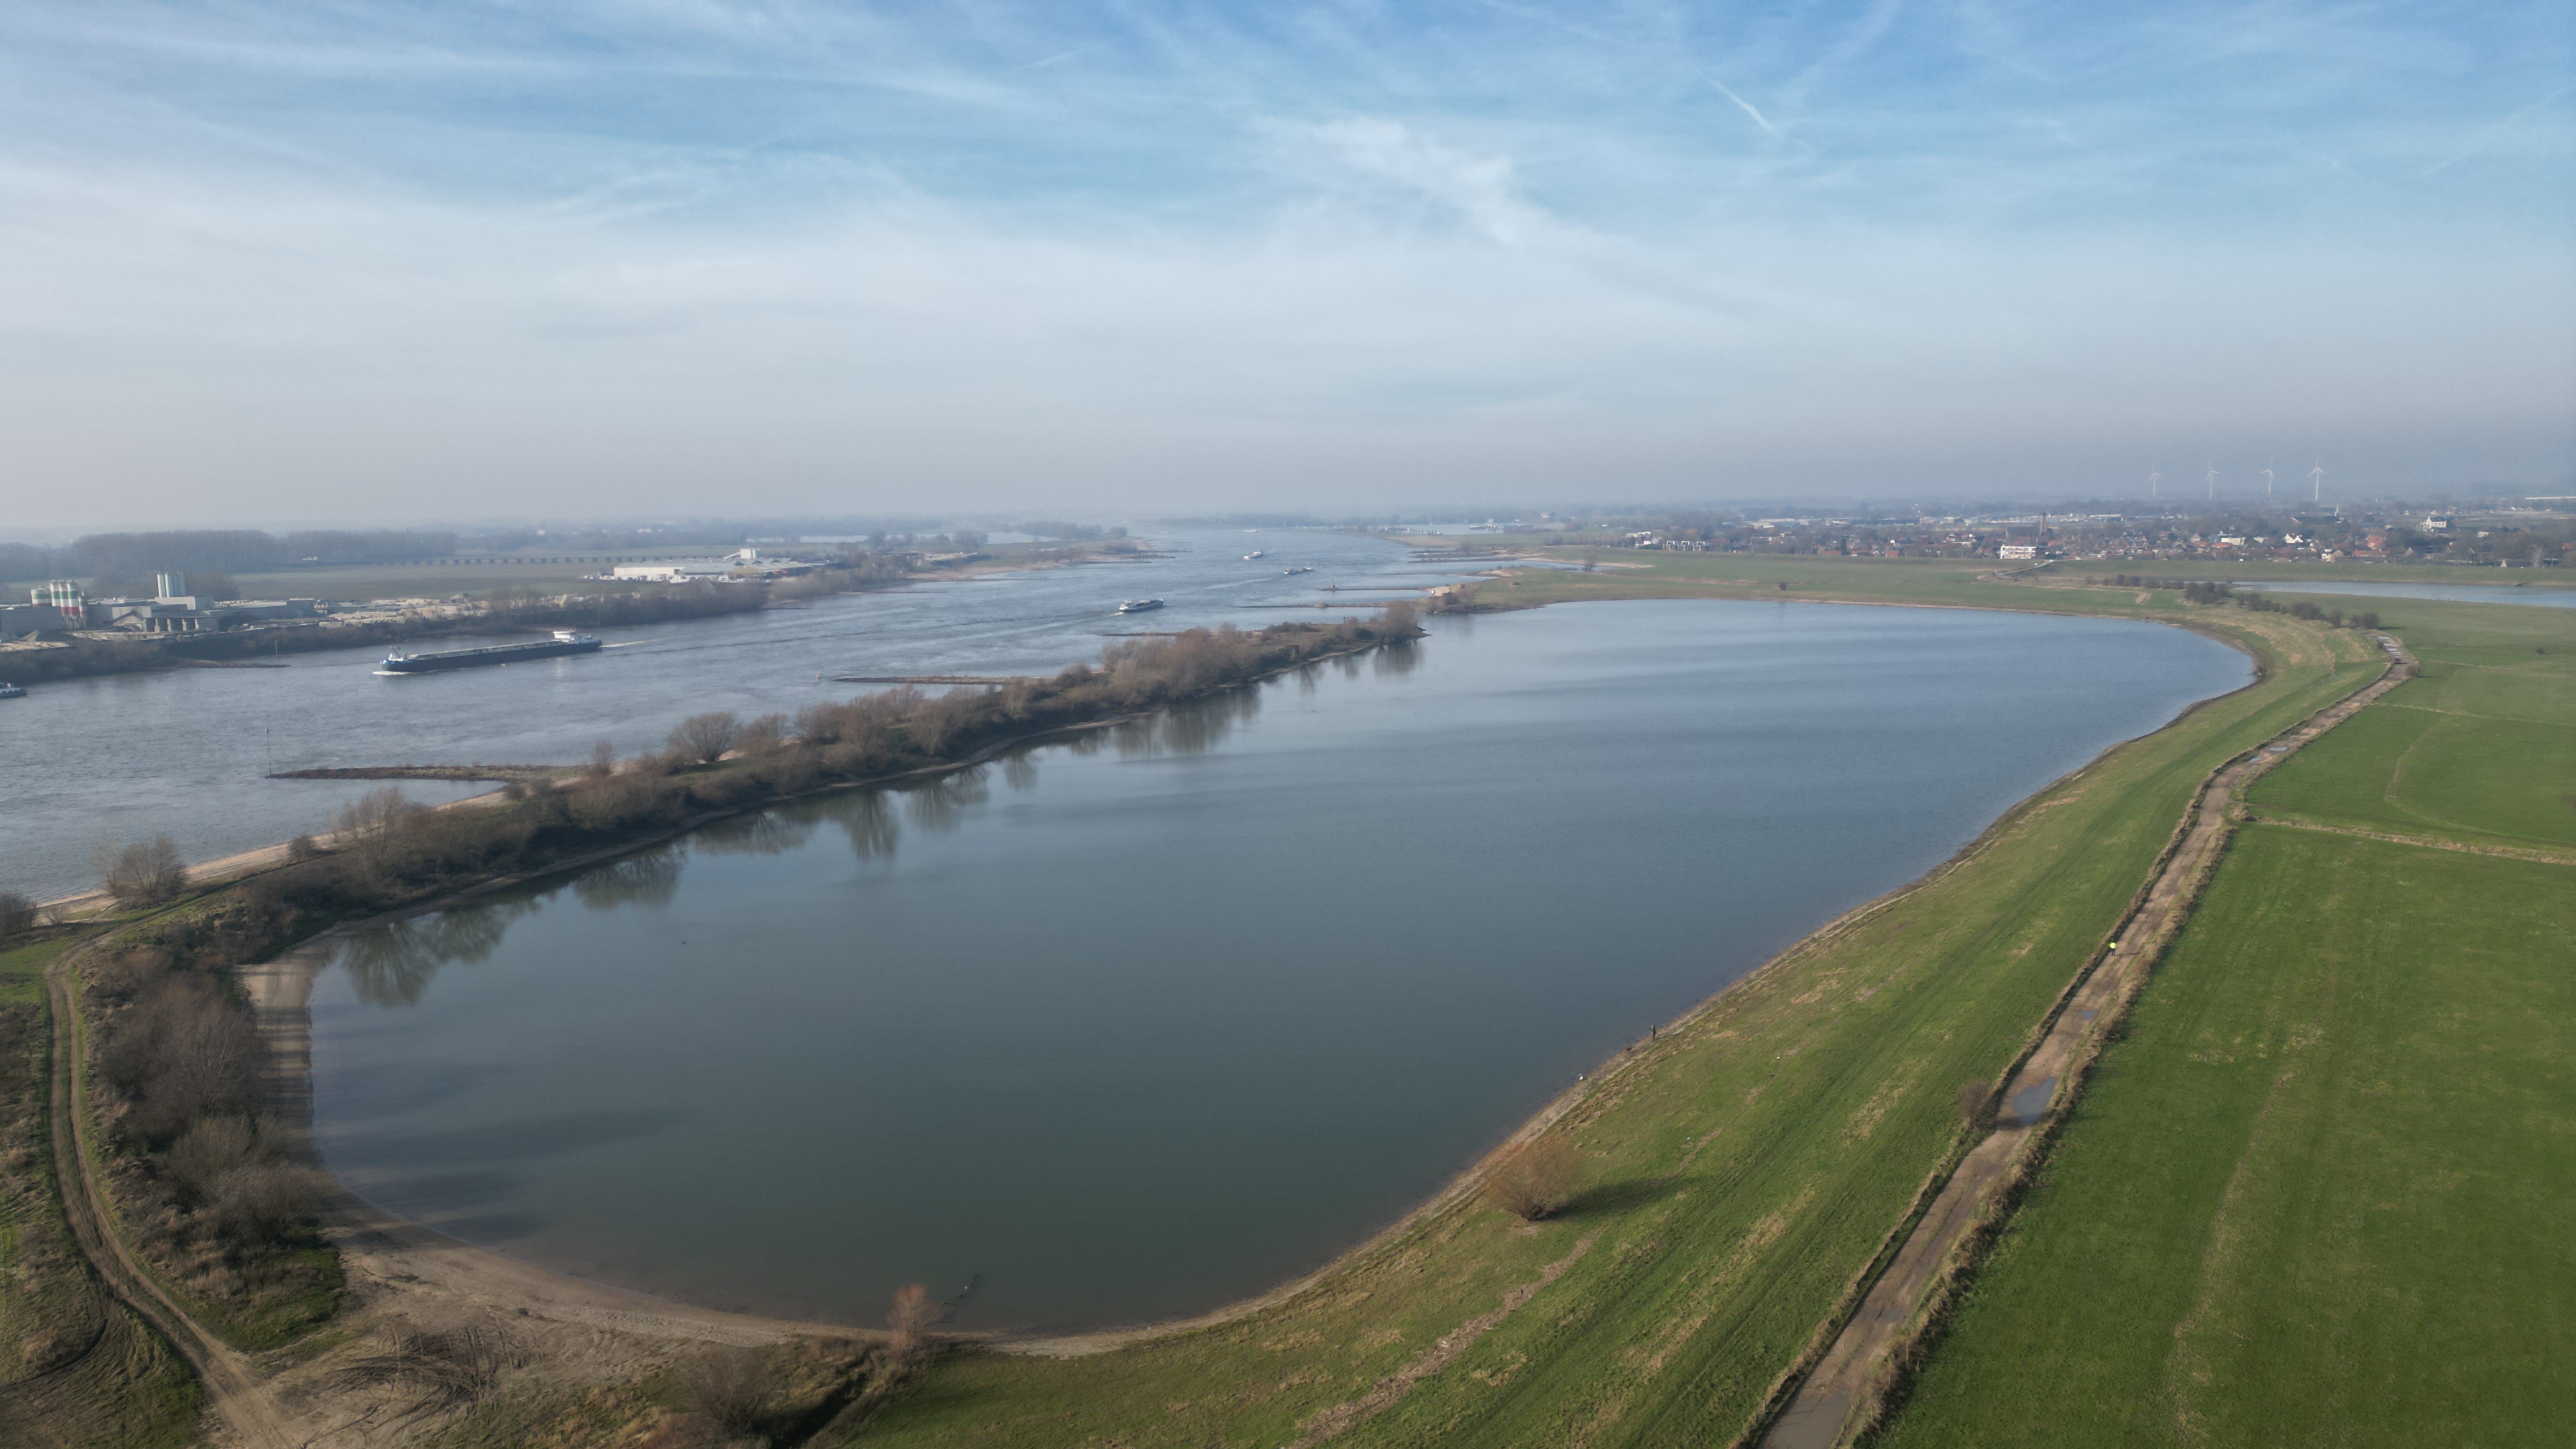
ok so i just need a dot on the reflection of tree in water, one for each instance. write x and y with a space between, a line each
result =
940 804
1020 769
763 832
869 818
1186 729
1396 658
649 879
392 966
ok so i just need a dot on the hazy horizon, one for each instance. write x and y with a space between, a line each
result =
466 262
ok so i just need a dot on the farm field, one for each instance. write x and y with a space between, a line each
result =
2316 1193
2482 747
1743 1168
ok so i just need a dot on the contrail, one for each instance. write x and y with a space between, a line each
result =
1742 104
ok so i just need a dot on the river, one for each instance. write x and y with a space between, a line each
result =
188 751
1134 1027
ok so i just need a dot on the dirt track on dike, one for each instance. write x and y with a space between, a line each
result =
232 1386
1836 1399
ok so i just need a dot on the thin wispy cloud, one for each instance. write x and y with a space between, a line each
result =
336 260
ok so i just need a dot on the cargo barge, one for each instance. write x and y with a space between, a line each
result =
564 642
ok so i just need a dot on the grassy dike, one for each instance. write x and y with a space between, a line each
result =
2317 1194
76 1368
1745 1168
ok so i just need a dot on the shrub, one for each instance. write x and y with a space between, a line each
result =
147 872
1977 1105
17 915
1532 1180
731 1387
211 1148
258 1202
762 736
302 849
702 738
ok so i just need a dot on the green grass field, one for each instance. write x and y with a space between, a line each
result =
2317 1194
1744 1168
2481 748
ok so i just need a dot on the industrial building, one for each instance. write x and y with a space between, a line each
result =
61 604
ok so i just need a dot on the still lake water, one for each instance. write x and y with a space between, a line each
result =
1140 1026
2545 598
188 751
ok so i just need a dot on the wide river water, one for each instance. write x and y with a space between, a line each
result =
1136 1026
188 751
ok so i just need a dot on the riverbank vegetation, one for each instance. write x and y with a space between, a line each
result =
2337 1130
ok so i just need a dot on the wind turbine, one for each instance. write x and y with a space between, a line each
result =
2267 480
2155 484
2213 485
2317 482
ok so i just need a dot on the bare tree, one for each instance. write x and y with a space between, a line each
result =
603 760
144 873
701 738
376 826
764 735
908 1324
1533 1180
17 915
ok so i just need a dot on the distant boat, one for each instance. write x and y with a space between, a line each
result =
11 691
564 642
1300 569
1140 606
1256 553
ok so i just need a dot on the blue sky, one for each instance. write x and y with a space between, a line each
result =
478 259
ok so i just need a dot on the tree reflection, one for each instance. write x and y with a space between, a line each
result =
391 966
940 804
868 817
1193 728
763 832
648 879
1396 659
1020 769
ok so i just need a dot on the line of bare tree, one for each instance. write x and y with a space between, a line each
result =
386 849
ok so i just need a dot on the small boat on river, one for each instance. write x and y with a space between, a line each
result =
1140 606
1300 569
1256 553
564 642
11 691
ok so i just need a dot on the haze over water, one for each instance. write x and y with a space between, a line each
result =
1138 1027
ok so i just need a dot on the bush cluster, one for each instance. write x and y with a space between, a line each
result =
2203 591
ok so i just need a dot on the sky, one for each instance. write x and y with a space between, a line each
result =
458 260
